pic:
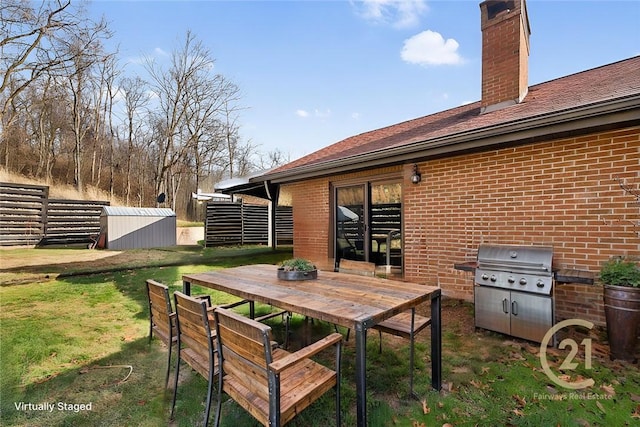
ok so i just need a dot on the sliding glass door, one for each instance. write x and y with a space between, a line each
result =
368 223
351 223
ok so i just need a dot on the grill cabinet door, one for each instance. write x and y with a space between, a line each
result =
492 307
531 315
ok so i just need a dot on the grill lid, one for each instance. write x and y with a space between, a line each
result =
516 259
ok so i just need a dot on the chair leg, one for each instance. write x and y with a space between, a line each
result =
166 377
207 409
338 381
338 412
175 383
287 330
411 355
412 352
219 404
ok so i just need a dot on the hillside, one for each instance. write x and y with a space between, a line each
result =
62 191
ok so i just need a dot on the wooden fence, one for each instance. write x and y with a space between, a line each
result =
241 224
28 217
23 209
72 222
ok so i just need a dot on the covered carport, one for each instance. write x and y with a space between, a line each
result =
255 185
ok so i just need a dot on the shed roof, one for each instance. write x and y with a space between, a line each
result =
133 211
580 102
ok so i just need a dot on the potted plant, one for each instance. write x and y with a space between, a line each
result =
297 269
621 279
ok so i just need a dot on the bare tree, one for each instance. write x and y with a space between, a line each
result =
244 164
85 49
191 98
59 116
136 99
102 127
274 158
29 31
46 107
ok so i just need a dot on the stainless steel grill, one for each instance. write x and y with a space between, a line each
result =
513 290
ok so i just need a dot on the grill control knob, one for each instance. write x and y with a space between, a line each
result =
540 284
493 278
485 277
511 279
523 281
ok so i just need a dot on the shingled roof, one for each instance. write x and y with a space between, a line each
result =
606 96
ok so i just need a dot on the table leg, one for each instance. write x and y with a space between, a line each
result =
436 342
186 287
412 352
361 375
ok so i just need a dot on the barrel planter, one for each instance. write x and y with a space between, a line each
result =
622 311
297 275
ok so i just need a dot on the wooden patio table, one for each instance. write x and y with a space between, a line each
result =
352 301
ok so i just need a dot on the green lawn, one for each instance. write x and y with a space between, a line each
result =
75 340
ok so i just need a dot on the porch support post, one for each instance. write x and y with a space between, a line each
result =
273 191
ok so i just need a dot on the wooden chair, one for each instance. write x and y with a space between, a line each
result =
272 384
161 318
195 343
406 324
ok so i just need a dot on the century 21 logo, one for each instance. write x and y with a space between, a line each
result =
568 363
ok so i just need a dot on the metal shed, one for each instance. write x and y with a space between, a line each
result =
132 228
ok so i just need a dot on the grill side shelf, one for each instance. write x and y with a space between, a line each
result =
466 266
575 276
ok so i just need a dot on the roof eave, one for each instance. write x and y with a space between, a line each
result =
619 110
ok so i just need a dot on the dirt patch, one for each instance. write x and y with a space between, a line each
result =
39 265
9 261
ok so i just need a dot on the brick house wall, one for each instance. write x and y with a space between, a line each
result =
562 193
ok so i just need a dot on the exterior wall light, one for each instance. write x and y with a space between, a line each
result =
415 176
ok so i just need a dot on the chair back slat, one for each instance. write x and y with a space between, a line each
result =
162 323
159 308
246 350
194 329
196 343
192 326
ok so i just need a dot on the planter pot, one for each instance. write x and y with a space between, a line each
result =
622 310
297 275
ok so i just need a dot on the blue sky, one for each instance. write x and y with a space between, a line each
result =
315 72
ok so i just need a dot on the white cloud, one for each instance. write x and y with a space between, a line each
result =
319 114
356 116
398 13
137 60
430 48
159 52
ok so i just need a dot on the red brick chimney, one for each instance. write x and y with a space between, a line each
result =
505 53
